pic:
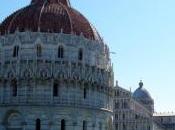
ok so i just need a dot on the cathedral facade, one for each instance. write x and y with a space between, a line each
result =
55 70
133 111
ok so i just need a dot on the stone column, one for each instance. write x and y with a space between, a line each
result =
1 91
51 91
26 90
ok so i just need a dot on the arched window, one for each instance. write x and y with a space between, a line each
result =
80 54
100 126
60 52
38 124
15 51
63 125
85 93
116 126
136 117
39 50
116 116
55 89
84 125
43 73
14 88
124 126
14 120
123 116
117 105
125 105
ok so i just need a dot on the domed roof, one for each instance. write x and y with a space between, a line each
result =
141 93
52 16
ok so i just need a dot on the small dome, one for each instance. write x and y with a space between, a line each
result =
53 16
141 93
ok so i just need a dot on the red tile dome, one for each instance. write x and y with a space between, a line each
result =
52 16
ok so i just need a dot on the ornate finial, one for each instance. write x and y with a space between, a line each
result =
140 84
64 2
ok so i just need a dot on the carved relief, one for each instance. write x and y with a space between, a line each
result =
10 74
13 120
37 73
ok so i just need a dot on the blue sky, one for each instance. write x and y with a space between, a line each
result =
141 32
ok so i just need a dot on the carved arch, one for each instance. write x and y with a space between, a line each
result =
60 74
10 74
13 119
44 73
26 73
75 75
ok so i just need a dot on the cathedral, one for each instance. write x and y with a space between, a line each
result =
55 70
135 111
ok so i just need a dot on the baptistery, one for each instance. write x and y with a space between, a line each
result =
55 70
